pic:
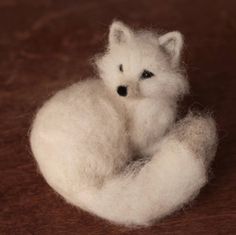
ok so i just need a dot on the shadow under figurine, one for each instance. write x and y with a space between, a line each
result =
85 137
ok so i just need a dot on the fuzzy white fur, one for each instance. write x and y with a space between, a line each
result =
124 158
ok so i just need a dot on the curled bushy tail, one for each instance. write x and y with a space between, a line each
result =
172 177
198 131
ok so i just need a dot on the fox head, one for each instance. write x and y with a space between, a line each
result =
142 64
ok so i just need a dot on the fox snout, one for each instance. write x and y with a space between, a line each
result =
129 89
122 90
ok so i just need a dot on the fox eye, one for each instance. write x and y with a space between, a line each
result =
121 67
146 74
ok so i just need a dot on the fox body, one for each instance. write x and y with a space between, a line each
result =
111 145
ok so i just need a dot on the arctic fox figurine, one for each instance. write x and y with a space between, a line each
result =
112 146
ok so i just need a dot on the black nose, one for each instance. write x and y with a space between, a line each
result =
122 90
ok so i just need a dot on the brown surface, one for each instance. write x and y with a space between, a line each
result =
46 44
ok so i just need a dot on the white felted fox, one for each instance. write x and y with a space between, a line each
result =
111 146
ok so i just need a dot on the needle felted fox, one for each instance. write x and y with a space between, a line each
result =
111 146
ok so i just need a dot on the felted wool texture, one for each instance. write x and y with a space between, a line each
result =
124 157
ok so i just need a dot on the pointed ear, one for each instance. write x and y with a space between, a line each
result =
119 33
172 43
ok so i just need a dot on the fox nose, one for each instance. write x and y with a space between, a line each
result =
122 90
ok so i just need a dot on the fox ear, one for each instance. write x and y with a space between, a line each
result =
172 43
119 33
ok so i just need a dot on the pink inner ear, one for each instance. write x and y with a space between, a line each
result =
119 35
172 43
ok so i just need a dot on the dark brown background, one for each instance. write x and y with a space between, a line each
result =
46 44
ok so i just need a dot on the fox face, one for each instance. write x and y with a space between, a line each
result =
142 64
